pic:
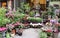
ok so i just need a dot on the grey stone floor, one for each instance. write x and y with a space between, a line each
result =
29 33
33 33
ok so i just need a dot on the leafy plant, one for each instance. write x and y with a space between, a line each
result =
51 13
49 33
33 19
2 11
24 7
0 35
18 17
31 13
21 26
59 20
43 35
3 19
8 35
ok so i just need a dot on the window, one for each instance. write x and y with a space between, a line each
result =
55 0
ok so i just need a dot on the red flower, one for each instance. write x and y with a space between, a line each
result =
49 30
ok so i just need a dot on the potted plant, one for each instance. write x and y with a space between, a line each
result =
32 13
35 20
43 35
19 30
24 8
8 35
3 21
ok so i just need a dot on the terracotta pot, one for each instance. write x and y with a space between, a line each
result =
13 31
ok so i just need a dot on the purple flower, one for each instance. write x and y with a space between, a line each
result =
53 21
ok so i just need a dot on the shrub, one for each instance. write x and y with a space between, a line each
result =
43 35
33 19
3 19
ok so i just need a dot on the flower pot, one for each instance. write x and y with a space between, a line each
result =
20 32
13 31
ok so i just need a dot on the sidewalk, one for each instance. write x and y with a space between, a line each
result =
29 33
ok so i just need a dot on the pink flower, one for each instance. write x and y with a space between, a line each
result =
16 24
2 29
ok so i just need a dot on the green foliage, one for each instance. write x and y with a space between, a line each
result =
0 35
33 19
21 26
8 35
49 33
2 11
3 19
44 15
59 20
51 13
43 35
24 7
31 13
18 16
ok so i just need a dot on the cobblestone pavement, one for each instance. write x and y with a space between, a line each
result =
29 33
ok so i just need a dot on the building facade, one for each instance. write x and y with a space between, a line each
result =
11 4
